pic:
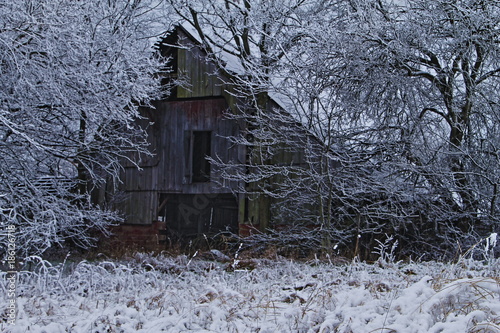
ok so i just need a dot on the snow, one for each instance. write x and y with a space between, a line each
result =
182 294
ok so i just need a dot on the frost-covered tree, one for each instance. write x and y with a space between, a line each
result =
249 40
290 168
73 75
417 84
401 97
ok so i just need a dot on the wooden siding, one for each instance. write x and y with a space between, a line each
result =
199 74
139 207
173 119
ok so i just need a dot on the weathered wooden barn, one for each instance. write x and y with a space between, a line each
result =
174 194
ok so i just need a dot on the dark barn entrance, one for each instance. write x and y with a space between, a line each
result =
191 215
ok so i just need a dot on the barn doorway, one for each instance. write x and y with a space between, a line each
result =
188 216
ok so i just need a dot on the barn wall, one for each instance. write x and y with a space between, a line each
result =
199 74
166 173
175 119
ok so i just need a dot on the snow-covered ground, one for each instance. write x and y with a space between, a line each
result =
183 294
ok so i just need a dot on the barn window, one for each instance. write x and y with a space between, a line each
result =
200 149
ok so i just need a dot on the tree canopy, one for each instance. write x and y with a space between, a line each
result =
402 94
73 76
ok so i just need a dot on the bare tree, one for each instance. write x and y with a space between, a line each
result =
248 40
73 76
397 107
418 79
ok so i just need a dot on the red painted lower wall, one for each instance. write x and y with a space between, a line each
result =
134 236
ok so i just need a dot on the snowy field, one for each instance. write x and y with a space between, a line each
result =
185 294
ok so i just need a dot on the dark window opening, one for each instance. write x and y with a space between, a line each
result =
201 148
